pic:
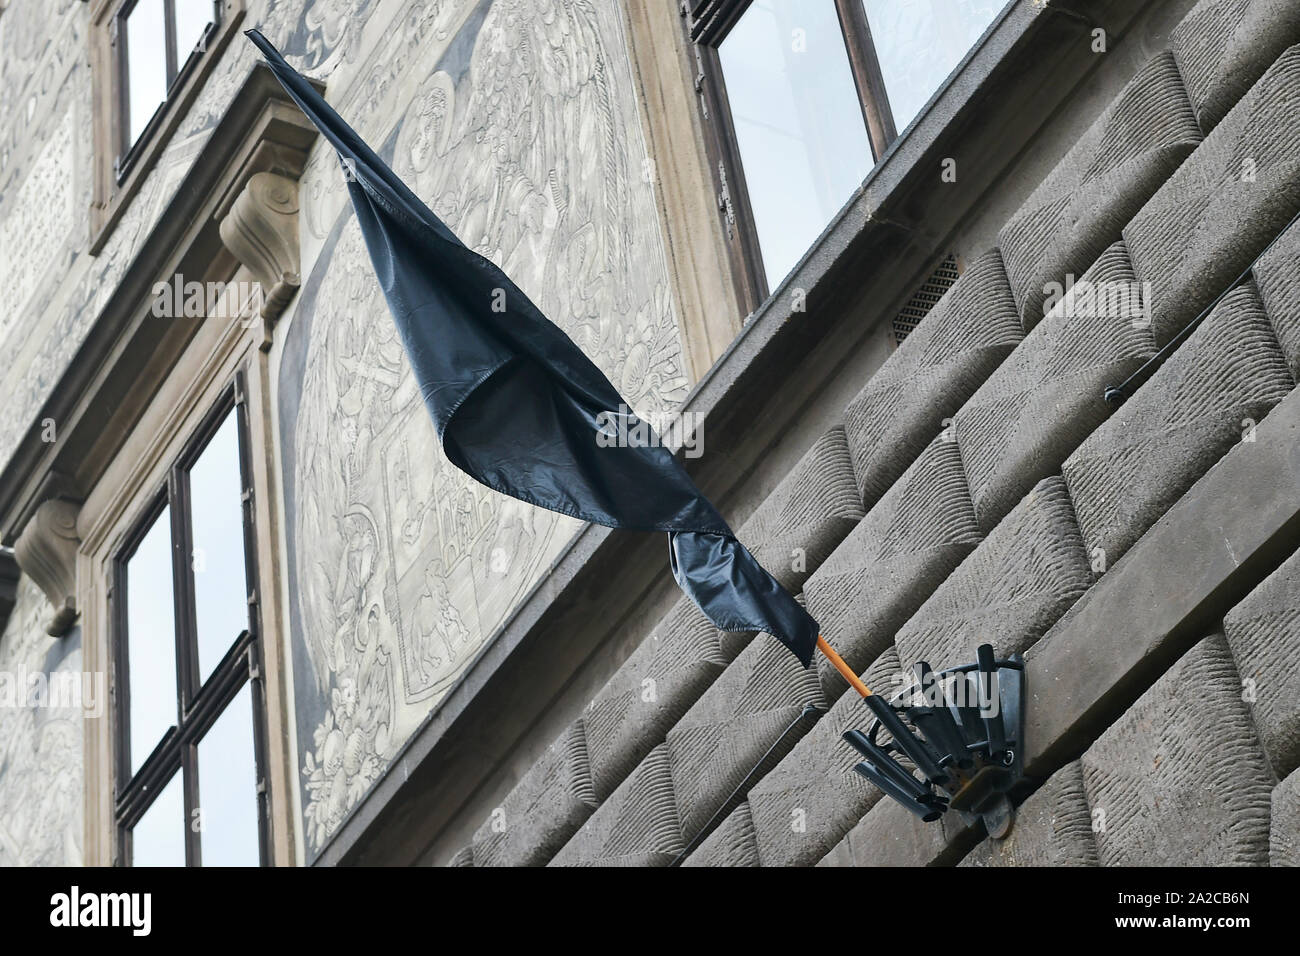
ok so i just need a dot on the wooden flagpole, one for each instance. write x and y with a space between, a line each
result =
845 670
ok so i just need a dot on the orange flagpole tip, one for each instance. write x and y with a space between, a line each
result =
845 670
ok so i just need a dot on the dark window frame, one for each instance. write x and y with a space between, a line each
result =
707 23
199 705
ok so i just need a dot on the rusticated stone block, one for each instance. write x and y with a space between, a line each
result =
732 844
636 826
1180 779
1284 833
806 804
1052 828
1264 634
658 683
1231 197
548 804
909 542
1047 396
463 857
1277 274
891 835
1099 185
1200 403
902 408
1223 46
808 513
729 730
1010 590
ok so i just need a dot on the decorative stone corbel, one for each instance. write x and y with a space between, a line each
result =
47 553
261 231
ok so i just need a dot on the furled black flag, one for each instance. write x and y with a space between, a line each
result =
520 408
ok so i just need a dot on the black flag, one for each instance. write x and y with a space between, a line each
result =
521 409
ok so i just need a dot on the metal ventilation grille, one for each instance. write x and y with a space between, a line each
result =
931 291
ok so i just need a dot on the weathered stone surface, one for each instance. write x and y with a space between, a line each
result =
909 542
1284 833
1052 828
1277 274
806 804
543 810
719 740
658 683
1223 46
1229 199
1047 396
902 408
1180 779
808 513
890 835
637 826
1099 185
1264 634
1200 403
732 844
1144 613
463 857
1009 591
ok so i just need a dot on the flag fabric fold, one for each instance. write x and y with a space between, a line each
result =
519 407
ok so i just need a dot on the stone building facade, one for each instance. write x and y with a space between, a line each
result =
908 429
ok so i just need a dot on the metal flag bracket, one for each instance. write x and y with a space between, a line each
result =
962 730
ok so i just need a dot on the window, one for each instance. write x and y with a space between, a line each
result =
149 59
189 735
157 42
802 97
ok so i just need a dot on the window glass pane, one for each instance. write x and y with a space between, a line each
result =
151 640
192 18
146 63
799 125
159 838
920 42
228 787
216 516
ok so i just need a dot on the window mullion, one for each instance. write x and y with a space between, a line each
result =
193 812
867 76
121 44
169 32
183 588
255 662
729 179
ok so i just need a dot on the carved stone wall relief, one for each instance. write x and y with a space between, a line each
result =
516 122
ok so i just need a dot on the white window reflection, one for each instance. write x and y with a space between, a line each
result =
151 639
228 787
159 838
799 126
216 519
146 64
192 19
920 42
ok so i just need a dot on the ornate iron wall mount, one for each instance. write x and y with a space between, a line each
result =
961 730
